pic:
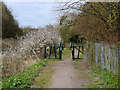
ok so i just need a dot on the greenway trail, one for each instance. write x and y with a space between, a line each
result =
66 76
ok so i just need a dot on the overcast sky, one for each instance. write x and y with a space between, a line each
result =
33 14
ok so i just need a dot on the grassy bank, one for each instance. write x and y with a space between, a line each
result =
104 78
24 79
43 80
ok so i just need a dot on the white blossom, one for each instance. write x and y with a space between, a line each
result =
32 41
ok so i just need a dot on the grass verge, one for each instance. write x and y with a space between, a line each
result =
24 79
104 78
43 80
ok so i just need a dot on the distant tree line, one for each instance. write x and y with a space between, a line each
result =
10 28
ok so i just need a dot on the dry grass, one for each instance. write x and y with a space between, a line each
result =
14 65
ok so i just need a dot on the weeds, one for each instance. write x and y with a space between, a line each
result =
23 79
44 78
93 86
108 79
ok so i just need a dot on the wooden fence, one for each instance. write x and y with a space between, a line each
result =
103 55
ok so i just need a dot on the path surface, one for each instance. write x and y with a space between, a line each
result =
66 76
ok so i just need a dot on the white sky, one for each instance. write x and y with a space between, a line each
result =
34 14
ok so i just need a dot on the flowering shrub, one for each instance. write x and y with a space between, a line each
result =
29 46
